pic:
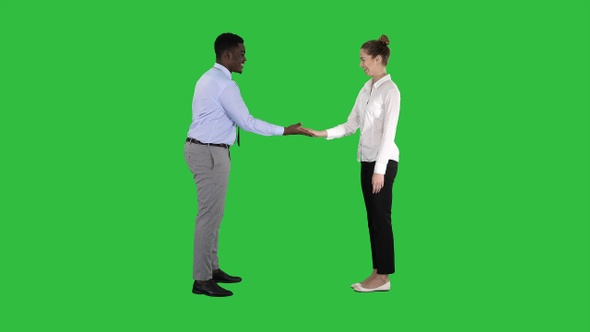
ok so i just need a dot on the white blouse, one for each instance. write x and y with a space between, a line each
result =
376 112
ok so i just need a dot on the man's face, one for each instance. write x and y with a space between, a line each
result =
237 58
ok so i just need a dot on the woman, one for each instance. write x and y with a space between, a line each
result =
375 112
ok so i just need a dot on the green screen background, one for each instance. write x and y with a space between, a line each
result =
491 203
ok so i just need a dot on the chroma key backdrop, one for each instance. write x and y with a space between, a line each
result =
491 204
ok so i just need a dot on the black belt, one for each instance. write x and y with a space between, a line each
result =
221 145
192 140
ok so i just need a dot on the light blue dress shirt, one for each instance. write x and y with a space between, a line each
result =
218 107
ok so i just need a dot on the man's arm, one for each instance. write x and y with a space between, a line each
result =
232 102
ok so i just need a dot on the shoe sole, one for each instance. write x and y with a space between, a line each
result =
375 291
227 282
211 295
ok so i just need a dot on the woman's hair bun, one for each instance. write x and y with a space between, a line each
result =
384 39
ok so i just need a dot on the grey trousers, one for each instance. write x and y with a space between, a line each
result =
210 166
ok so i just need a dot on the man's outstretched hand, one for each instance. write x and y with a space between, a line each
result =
296 129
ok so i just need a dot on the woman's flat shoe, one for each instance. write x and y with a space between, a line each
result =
355 285
383 288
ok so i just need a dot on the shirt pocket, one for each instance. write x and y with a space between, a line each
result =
375 109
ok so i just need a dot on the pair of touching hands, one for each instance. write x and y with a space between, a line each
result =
296 129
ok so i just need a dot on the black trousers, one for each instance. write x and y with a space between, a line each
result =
379 216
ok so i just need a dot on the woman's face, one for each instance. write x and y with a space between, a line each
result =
368 63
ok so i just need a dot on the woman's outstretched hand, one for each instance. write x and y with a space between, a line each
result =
315 133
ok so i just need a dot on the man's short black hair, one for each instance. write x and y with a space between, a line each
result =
226 41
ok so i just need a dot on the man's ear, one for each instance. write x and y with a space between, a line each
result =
227 54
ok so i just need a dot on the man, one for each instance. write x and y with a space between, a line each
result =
217 109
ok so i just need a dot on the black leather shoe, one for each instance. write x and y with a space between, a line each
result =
220 276
210 288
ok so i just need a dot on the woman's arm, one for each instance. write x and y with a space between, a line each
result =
348 128
392 101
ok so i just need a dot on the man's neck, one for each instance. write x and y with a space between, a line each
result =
225 66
